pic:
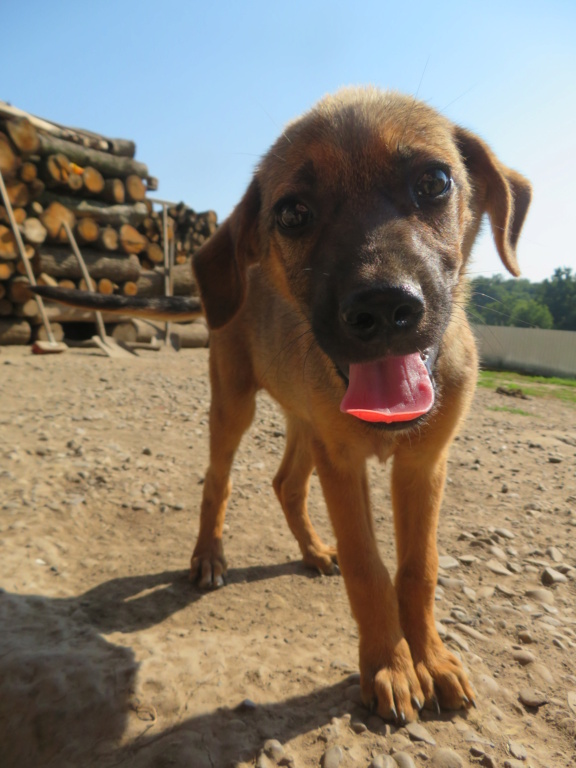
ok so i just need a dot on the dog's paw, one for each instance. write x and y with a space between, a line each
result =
391 686
323 559
443 679
208 568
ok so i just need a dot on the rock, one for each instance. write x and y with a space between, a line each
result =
273 749
446 758
496 567
572 701
332 757
382 761
541 596
525 637
540 672
532 698
517 750
484 593
514 764
555 554
523 657
551 576
447 562
417 732
403 760
358 727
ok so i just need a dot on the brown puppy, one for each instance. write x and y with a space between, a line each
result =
337 284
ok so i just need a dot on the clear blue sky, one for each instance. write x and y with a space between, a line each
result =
204 87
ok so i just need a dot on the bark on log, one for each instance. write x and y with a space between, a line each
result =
60 263
13 331
108 239
114 191
113 215
152 283
131 241
9 160
107 164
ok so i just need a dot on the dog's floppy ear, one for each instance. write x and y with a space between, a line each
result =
498 191
220 265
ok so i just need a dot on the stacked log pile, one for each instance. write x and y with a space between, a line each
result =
54 174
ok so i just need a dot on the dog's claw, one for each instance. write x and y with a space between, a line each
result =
394 713
436 705
416 702
402 718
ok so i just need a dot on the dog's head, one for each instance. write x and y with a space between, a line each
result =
363 215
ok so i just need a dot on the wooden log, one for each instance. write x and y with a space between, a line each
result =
75 183
155 253
44 279
36 187
191 335
36 208
108 239
2 290
60 263
28 309
8 246
6 307
135 188
130 288
56 170
125 331
93 181
107 164
28 171
152 183
39 332
9 160
106 286
19 290
114 191
7 269
33 231
14 331
24 135
18 193
86 231
131 241
52 218
66 283
19 215
60 313
32 256
152 283
122 147
83 285
113 215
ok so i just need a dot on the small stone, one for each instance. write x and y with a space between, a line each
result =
488 762
496 567
532 698
484 593
540 672
417 732
517 750
572 701
552 576
523 657
147 451
382 761
446 758
512 763
359 727
273 749
246 706
555 554
525 637
541 596
447 562
505 533
468 559
332 757
403 760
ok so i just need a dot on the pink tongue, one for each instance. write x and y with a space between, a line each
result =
392 389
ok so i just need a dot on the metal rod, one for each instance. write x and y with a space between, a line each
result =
25 260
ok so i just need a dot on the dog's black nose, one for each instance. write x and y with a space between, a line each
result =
383 310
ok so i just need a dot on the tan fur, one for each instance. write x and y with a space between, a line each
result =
274 302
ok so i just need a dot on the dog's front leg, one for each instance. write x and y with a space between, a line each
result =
417 487
388 678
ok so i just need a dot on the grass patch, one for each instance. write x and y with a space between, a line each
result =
533 386
509 409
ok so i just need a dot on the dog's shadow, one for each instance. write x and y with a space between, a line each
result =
66 693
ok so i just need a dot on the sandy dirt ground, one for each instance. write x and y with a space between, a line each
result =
110 657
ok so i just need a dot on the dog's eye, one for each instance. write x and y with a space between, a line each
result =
292 215
432 184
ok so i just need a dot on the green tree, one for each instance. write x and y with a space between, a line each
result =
559 294
530 313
